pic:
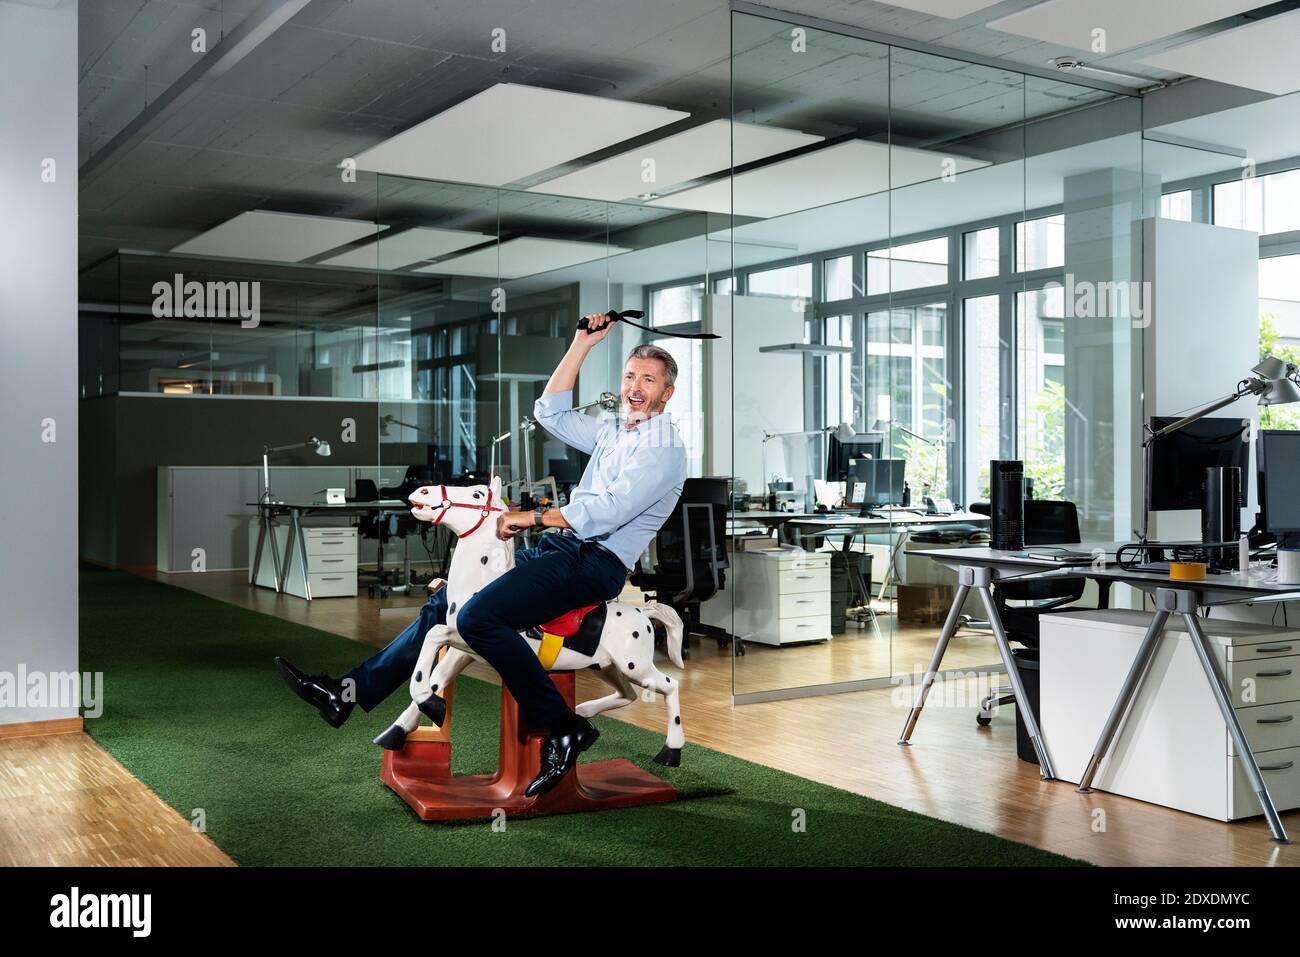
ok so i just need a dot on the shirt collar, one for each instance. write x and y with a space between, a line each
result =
650 424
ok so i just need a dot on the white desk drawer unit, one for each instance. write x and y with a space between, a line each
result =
331 561
1173 749
783 596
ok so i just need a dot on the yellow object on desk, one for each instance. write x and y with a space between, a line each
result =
1187 571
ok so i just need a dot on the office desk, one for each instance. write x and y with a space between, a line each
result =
267 512
1172 597
978 568
849 526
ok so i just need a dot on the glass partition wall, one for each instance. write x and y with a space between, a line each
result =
479 321
901 268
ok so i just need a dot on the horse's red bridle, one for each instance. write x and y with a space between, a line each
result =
484 509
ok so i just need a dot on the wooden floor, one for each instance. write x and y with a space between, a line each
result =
955 770
64 801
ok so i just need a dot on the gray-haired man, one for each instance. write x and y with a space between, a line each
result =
631 484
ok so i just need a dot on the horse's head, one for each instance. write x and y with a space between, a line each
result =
464 508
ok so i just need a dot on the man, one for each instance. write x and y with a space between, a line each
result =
630 486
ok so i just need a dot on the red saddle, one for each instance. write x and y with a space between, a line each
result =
568 623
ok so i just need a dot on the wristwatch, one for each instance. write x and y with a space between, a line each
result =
538 516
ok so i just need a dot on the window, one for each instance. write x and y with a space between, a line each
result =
688 396
1177 205
842 386
1264 204
837 279
907 383
676 305
980 253
1040 387
983 372
1040 244
913 266
792 281
1279 327
725 286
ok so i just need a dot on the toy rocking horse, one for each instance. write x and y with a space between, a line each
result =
616 637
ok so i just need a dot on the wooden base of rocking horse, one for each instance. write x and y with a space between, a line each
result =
421 774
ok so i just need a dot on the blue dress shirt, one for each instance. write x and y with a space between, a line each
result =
632 482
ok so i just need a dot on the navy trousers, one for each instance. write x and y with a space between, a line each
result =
557 575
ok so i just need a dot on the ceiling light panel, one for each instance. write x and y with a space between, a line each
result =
1072 23
510 131
1258 56
676 159
830 175
276 237
952 9
411 246
525 256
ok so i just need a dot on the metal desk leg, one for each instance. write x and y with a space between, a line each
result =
257 553
287 567
1025 709
296 532
1244 753
265 530
949 627
1127 692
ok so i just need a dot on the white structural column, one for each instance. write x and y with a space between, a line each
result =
38 357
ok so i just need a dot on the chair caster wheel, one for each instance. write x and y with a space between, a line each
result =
983 720
740 648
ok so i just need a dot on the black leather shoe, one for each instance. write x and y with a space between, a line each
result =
560 755
322 692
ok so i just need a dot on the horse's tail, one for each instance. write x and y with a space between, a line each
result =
672 623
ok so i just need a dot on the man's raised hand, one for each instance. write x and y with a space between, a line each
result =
598 326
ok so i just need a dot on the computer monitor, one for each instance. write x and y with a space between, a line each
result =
840 452
1278 457
877 482
1179 459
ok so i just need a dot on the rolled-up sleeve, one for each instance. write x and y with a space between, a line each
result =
653 472
556 414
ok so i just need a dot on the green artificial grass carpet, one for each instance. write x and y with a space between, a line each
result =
193 707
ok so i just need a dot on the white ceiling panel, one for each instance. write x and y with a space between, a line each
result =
276 237
676 159
412 246
1126 23
525 256
952 9
830 175
510 131
1259 56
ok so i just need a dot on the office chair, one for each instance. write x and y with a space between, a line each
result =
691 558
1046 523
384 526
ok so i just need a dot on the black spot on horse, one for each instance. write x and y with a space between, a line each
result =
483 560
677 720
631 666
417 676
636 634
452 609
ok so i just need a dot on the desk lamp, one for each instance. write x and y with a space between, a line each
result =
883 425
320 446
1274 381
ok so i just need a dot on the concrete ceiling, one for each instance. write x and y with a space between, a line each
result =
171 146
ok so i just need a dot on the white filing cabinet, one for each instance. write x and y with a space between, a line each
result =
1173 749
331 560
783 596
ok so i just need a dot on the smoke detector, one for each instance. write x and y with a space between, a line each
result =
1066 63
